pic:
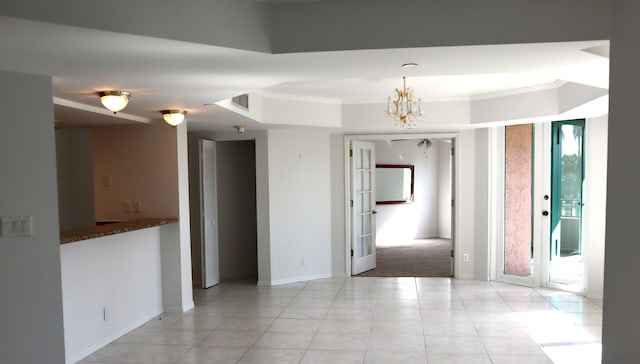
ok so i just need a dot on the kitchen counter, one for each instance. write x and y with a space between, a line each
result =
112 228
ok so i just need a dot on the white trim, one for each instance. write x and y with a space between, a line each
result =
99 110
407 136
465 276
347 205
278 282
301 98
371 101
104 342
519 91
496 191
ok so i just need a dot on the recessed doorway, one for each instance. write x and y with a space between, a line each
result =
235 219
409 234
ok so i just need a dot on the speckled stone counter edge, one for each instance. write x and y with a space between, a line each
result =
111 229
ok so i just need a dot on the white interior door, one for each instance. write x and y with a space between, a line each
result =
209 213
363 204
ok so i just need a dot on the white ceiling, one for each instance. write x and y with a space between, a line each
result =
165 74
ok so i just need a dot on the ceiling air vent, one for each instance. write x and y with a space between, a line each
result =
242 101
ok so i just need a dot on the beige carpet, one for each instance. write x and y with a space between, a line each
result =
416 258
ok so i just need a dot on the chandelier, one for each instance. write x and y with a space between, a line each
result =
404 111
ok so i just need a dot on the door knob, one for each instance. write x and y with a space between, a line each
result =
373 212
545 213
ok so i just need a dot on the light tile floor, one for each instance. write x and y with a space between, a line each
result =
370 320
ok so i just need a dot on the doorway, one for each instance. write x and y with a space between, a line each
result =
542 206
411 233
233 172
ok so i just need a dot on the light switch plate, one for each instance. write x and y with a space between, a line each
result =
17 226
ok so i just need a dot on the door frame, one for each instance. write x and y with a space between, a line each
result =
210 265
347 187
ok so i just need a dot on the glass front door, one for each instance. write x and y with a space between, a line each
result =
567 177
518 253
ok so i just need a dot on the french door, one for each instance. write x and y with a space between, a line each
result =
566 263
363 236
541 210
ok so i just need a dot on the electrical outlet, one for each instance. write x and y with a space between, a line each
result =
126 207
136 207
107 181
465 257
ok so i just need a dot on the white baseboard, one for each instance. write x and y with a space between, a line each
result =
596 295
278 282
180 309
465 276
109 339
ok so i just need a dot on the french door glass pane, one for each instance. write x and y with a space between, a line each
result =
518 242
366 246
366 159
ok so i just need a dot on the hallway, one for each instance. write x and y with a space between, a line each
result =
370 320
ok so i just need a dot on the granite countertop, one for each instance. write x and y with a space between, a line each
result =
113 228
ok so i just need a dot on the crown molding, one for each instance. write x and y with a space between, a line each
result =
519 91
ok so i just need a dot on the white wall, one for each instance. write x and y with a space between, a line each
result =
300 205
370 118
417 220
595 199
465 195
480 254
237 224
31 303
141 161
444 188
183 239
338 199
74 162
118 272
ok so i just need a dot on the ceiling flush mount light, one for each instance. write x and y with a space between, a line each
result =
404 110
173 117
114 100
240 128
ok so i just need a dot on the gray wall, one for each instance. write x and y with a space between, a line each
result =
372 24
621 318
237 229
31 304
234 23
